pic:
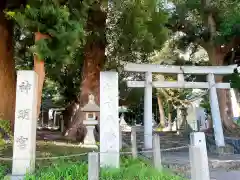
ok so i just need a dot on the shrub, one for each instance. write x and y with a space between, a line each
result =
130 169
3 170
5 132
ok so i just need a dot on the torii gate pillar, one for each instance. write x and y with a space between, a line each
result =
148 111
216 117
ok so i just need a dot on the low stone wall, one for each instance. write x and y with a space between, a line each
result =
232 145
235 142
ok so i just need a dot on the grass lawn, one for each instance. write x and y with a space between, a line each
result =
75 168
43 150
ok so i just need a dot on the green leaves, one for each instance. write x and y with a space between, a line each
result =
234 79
54 20
137 29
134 30
229 27
5 131
130 169
225 14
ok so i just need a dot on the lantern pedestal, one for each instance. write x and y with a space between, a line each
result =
89 140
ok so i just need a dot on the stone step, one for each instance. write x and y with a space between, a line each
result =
166 141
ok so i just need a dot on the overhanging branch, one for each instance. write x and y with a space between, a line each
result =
188 29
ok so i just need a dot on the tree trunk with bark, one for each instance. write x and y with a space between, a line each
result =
170 109
161 112
7 71
40 70
94 59
69 113
216 57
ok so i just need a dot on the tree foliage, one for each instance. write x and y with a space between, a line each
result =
62 52
192 18
54 20
135 29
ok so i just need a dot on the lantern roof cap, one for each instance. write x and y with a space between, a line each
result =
91 106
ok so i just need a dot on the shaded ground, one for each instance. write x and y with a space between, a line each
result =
49 135
47 153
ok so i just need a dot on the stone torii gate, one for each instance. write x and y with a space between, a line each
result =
148 84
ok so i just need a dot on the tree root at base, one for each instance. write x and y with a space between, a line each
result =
232 130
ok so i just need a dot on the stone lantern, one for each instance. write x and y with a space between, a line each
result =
91 110
123 125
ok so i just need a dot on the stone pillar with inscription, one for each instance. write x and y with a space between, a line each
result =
24 146
109 121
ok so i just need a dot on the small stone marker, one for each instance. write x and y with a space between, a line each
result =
109 121
198 139
157 152
198 157
93 166
90 110
24 147
120 138
134 141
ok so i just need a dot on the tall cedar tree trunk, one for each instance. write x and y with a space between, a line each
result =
216 55
7 70
94 59
161 112
40 71
225 105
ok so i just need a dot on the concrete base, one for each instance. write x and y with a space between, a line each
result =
223 175
14 177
